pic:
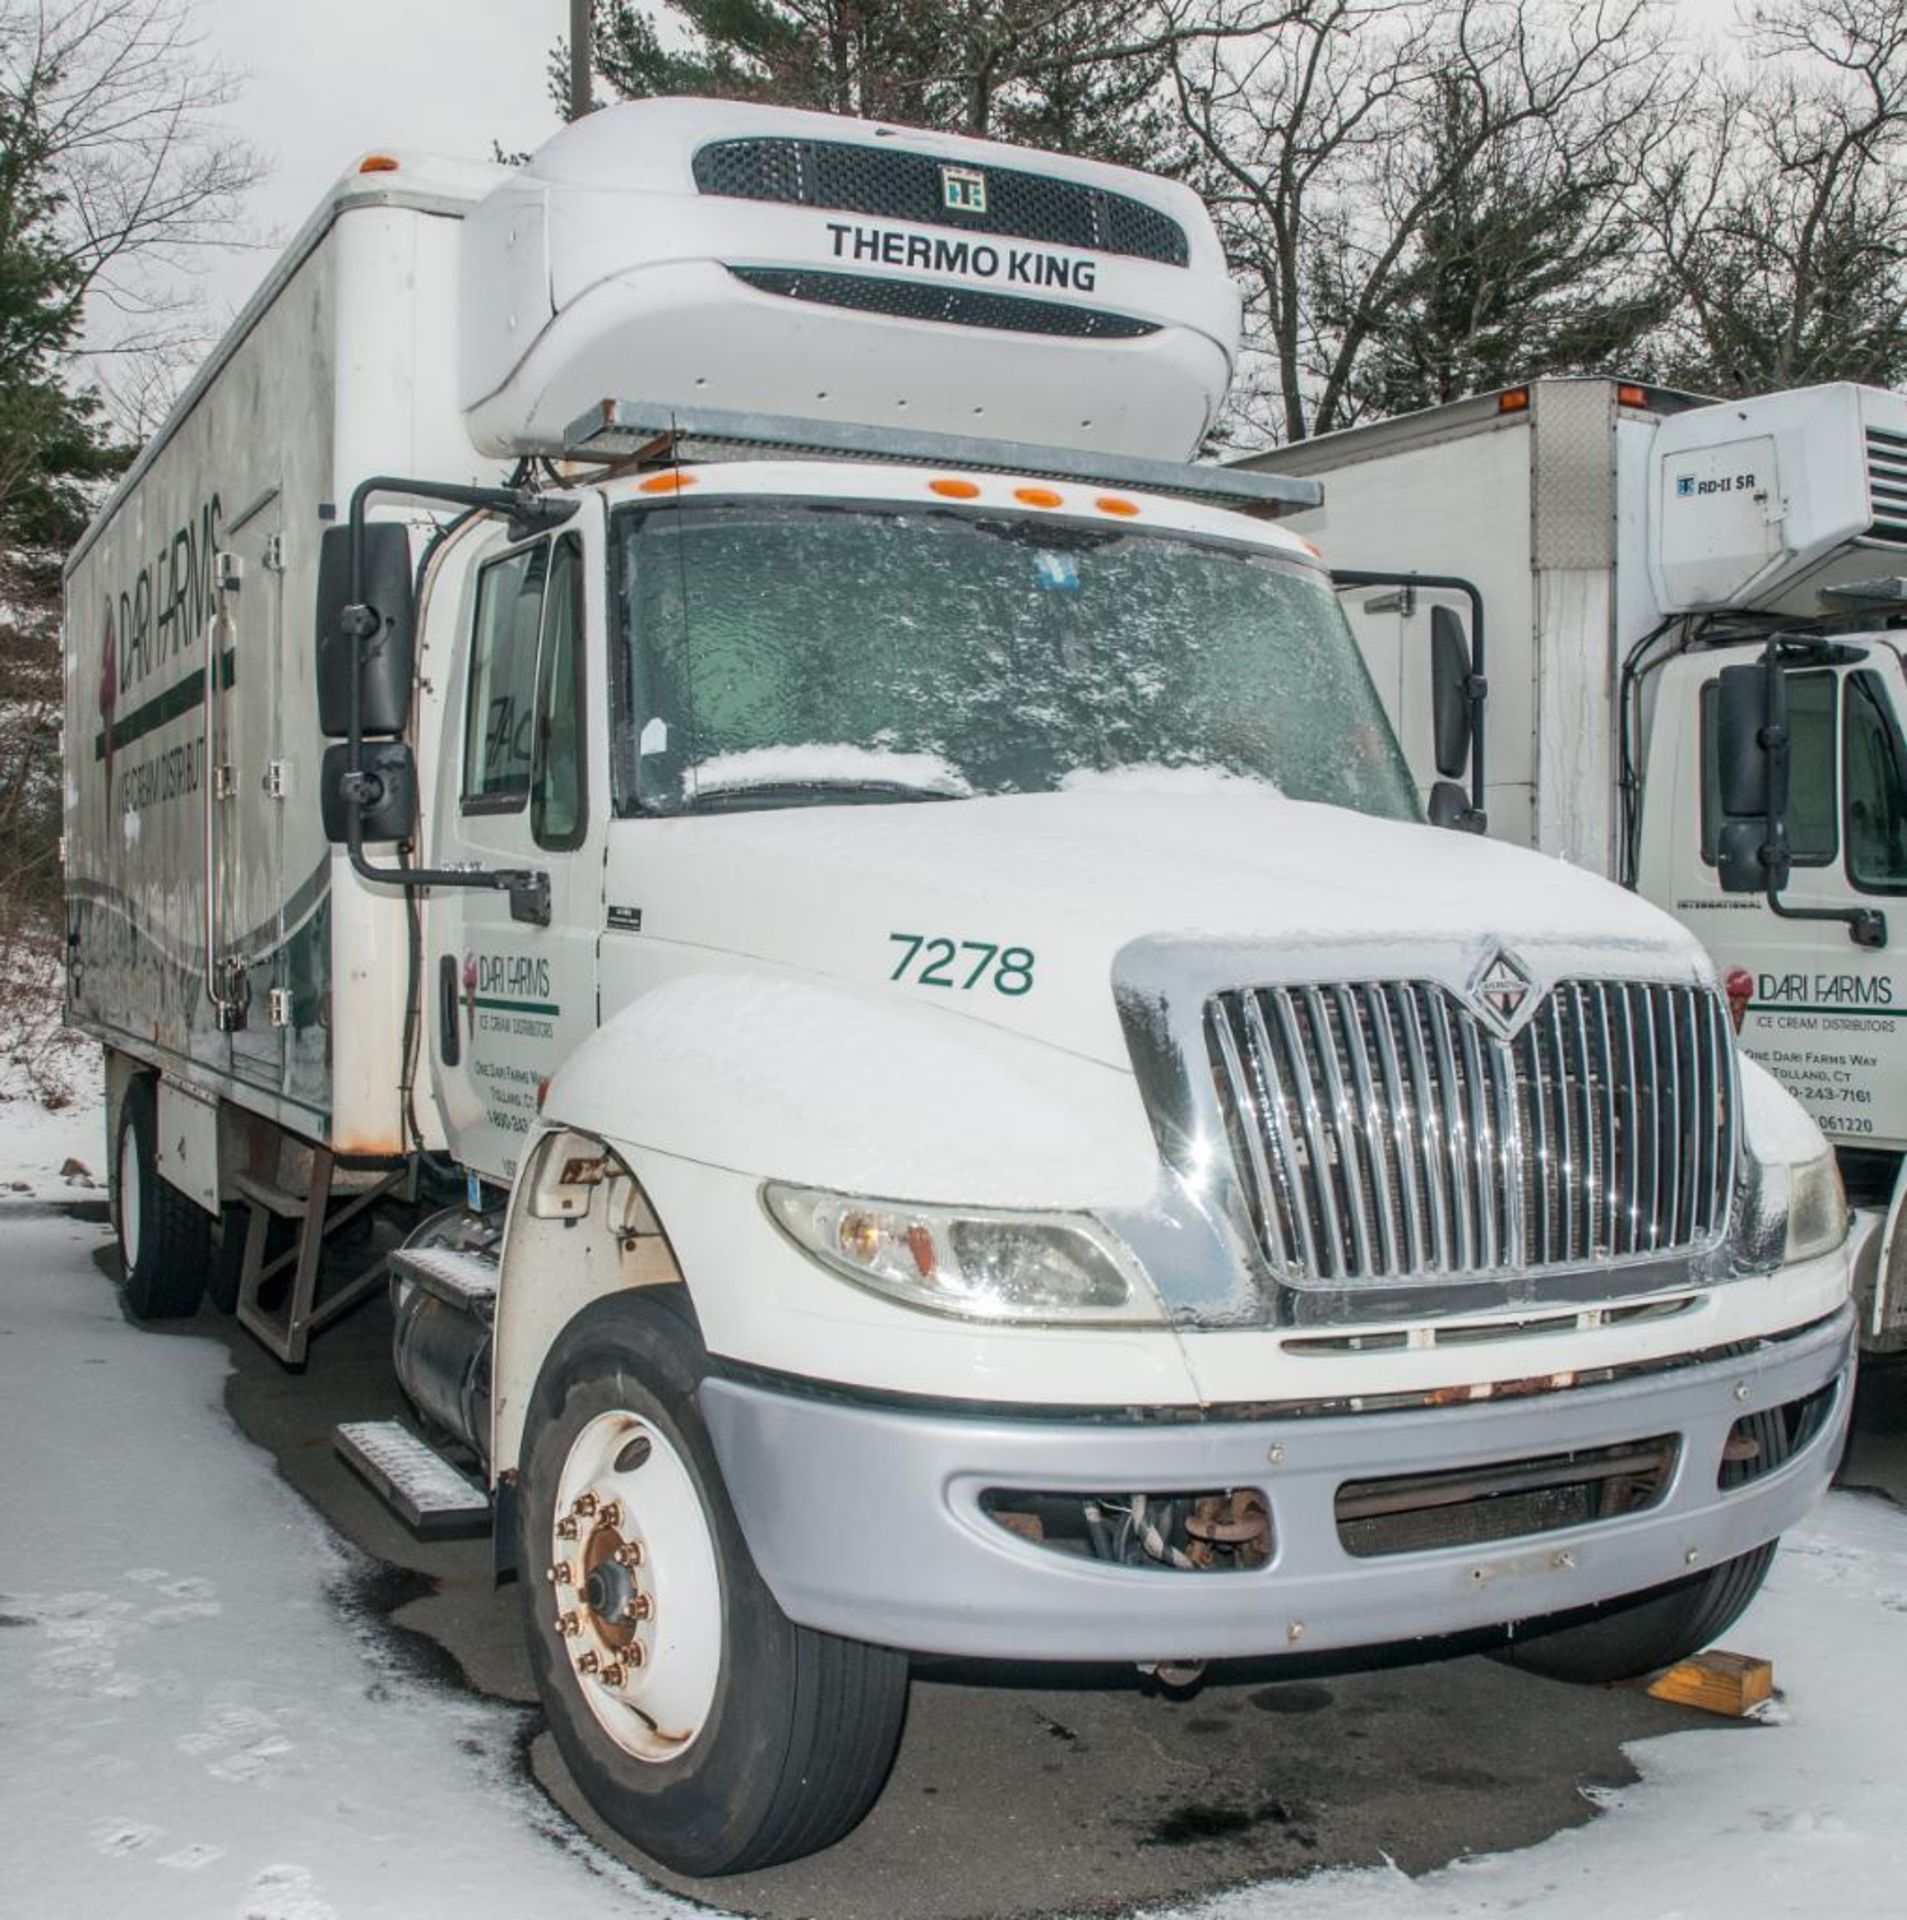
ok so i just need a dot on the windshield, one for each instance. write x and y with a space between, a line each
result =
784 654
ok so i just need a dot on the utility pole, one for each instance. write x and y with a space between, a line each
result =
579 100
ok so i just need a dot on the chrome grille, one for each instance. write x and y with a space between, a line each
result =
1383 1131
1887 484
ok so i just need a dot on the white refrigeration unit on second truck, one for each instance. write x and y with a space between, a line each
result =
1628 546
921 1083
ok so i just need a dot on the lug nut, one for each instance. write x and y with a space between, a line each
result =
560 1576
611 1515
640 1608
566 1528
613 1675
634 1654
629 1555
583 1505
588 1660
568 1625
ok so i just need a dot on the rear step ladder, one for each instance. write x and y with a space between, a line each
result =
304 1313
417 1483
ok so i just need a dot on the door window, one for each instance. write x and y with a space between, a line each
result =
1813 839
498 734
1876 788
557 807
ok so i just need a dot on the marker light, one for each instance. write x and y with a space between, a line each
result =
670 482
1516 400
377 163
1111 503
954 489
1631 397
1038 497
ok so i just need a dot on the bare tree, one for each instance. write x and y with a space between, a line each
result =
122 99
1328 150
1780 215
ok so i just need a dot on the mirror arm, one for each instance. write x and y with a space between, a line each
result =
529 891
1477 686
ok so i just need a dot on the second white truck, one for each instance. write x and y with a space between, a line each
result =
675 723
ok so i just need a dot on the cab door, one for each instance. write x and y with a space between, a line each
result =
1826 1017
522 783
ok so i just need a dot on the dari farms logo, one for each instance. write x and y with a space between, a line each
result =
963 189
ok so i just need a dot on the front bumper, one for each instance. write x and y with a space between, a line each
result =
866 1521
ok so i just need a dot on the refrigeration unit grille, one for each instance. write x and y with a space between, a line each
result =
1887 485
1018 205
1384 1131
954 306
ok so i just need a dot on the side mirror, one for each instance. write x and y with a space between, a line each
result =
385 687
386 791
1450 807
1751 740
1450 691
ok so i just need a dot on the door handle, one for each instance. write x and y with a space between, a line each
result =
449 1034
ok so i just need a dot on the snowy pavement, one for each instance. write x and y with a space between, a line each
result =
193 1724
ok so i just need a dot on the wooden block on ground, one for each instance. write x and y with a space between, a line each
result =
1717 1682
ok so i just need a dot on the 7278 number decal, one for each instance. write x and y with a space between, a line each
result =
962 965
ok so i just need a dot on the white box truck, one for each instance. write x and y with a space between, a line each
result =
1630 547
676 722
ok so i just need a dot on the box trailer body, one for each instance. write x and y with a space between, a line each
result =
1629 544
937 1093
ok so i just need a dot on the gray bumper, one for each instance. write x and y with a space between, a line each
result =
866 1522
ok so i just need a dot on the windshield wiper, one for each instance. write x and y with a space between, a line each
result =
810 793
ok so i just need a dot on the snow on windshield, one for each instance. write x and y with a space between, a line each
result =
1014 654
832 764
1157 779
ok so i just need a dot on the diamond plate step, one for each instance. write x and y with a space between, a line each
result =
417 1483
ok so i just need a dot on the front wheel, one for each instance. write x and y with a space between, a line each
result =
698 1721
1640 1634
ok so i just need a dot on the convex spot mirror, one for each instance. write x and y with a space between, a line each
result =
1450 691
388 807
385 689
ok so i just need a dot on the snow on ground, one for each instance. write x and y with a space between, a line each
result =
37 1146
192 1726
189 1728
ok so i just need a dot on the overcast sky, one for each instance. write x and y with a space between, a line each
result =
323 81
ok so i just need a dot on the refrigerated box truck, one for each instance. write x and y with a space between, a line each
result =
1629 545
674 725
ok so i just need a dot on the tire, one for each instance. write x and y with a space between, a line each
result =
1642 1633
165 1239
759 1740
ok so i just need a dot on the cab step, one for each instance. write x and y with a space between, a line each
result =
416 1482
458 1277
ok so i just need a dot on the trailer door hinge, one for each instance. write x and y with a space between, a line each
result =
278 779
278 1002
224 781
273 558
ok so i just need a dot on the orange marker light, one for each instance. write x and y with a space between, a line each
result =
954 489
1111 503
377 163
1311 547
1037 497
1517 400
670 482
1631 397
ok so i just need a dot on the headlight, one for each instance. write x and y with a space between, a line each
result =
984 1266
1817 1208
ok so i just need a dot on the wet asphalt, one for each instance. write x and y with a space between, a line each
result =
1047 1791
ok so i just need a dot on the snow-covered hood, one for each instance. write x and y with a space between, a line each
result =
1017 911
